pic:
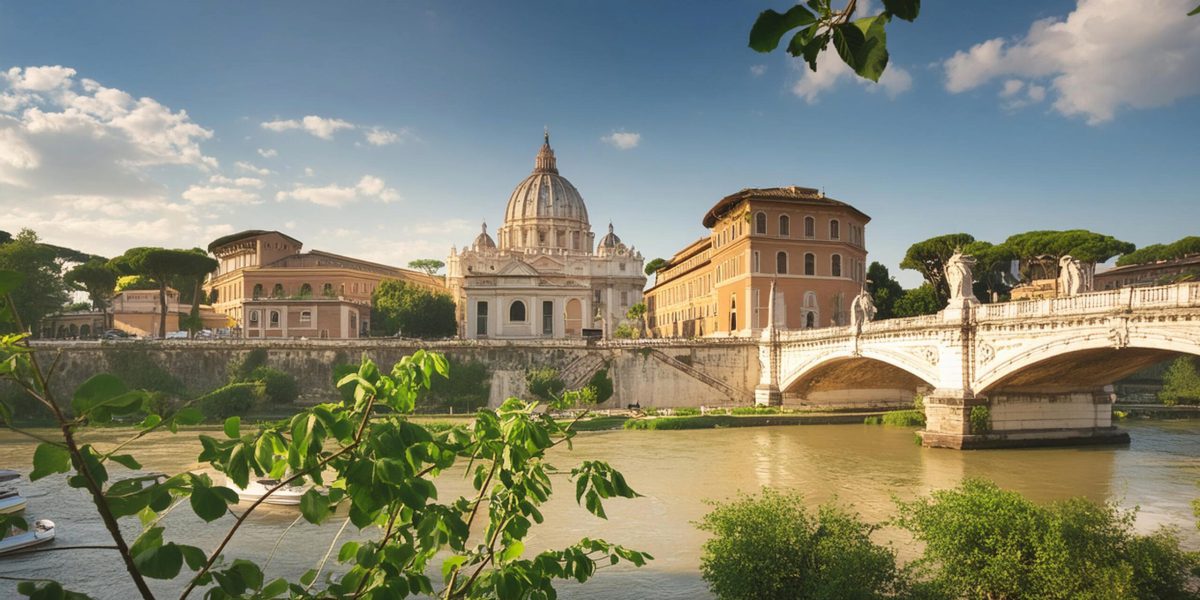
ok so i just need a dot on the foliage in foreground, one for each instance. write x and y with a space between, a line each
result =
374 464
981 542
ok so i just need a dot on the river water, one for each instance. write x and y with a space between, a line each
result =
862 466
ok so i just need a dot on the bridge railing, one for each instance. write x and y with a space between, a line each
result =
1165 296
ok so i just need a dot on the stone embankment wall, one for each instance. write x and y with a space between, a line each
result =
658 373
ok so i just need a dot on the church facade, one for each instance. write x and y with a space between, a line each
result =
544 275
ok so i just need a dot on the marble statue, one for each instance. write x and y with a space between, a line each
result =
1070 276
862 310
959 279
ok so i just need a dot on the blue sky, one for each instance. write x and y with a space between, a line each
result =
172 123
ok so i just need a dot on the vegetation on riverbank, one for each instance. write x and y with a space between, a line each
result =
979 542
898 418
714 421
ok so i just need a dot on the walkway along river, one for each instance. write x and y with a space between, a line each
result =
863 466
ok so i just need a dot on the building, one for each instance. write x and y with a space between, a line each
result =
269 288
136 312
812 247
1154 273
543 279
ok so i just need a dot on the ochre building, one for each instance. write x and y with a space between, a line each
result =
269 288
811 246
543 279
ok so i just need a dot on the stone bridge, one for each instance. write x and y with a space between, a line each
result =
1035 372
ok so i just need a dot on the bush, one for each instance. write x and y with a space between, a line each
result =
754 410
466 390
1181 383
904 418
625 331
235 399
240 369
984 542
769 546
686 412
544 383
278 387
980 420
602 385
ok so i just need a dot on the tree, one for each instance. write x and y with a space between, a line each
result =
637 314
42 291
929 259
992 271
430 266
861 43
1157 252
1181 382
5 237
884 290
1081 244
770 546
159 265
411 310
96 278
655 264
917 301
194 266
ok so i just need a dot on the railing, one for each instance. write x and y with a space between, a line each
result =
1167 296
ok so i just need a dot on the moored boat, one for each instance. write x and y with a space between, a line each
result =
288 495
11 502
42 532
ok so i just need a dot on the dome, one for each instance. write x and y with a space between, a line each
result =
611 240
545 194
483 240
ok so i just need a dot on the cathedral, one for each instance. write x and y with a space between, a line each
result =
544 275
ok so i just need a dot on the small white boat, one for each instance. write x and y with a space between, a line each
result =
43 531
11 502
288 495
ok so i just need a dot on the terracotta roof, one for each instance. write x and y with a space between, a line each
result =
793 194
249 233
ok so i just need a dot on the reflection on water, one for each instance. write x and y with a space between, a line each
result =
677 471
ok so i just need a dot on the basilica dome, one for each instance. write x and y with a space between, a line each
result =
545 210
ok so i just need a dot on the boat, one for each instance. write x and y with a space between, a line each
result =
42 532
288 495
10 500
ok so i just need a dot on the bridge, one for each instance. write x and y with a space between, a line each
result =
1036 372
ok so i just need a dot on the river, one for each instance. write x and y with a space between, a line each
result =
677 472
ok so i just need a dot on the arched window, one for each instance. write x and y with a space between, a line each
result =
810 321
306 291
835 230
810 264
277 291
760 223
732 313
810 227
781 262
835 265
254 317
327 290
785 225
84 331
258 290
274 318
516 311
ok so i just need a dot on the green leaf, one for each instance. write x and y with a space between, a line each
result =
193 557
849 40
1195 11
314 506
210 503
308 577
150 538
873 55
770 26
347 551
909 9
49 458
9 280
189 416
104 391
513 551
273 589
233 427
160 562
127 460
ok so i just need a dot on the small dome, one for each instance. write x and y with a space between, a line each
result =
611 240
545 194
483 240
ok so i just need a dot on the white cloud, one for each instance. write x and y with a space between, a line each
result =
318 126
1011 87
378 136
758 70
309 172
831 71
333 195
1104 56
252 168
267 152
622 140
40 79
253 182
219 195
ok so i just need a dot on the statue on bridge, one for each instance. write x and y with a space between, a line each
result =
862 310
960 280
1071 279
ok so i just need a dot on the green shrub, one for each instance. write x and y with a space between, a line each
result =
919 402
278 387
650 412
466 390
235 399
769 546
1181 383
876 420
602 385
240 369
980 420
754 410
686 412
903 418
544 383
984 542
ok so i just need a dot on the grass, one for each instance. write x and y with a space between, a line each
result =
899 418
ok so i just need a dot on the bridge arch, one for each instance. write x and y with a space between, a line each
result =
841 371
1083 362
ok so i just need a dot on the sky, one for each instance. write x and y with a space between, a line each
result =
390 131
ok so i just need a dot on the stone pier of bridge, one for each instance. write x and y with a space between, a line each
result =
1029 373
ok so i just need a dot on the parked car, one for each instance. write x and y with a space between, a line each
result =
114 334
177 335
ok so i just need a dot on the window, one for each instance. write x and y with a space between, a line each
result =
327 290
622 266
258 290
757 263
277 291
810 264
835 265
481 317
274 318
733 313
548 318
254 317
781 263
516 312
624 298
785 225
306 316
810 227
760 223
835 230
306 291
811 320
596 296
